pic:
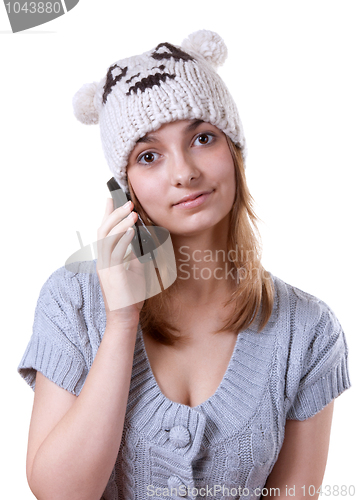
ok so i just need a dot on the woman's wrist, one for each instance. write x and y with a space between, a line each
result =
121 321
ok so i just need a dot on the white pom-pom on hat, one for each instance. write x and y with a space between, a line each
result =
84 104
208 44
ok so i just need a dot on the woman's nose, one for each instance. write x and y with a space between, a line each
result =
183 169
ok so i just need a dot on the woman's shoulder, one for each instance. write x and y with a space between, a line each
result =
73 284
72 302
68 326
316 339
80 270
314 348
305 307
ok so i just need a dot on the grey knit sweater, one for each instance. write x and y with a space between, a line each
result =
225 447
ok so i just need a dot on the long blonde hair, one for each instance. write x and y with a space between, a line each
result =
254 293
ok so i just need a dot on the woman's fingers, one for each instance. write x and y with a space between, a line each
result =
109 207
111 241
108 236
121 287
113 217
105 245
124 224
118 252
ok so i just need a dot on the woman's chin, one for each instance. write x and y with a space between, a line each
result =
195 230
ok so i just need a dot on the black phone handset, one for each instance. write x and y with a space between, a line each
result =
143 243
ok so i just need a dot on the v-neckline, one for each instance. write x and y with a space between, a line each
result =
219 389
237 398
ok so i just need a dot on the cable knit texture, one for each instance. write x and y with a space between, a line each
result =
291 370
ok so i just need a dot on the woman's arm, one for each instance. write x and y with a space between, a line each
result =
74 441
302 458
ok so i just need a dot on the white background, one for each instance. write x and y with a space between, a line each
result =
292 71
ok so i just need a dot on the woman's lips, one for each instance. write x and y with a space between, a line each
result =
194 203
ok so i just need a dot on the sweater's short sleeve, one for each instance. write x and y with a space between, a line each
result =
59 334
323 362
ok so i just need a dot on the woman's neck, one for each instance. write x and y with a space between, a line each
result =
205 270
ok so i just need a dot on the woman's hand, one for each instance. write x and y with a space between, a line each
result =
123 289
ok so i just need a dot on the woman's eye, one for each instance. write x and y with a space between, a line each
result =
147 158
204 139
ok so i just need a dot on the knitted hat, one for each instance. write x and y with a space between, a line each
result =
168 83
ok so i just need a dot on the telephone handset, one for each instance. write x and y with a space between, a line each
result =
143 243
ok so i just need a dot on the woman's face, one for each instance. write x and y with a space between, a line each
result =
181 159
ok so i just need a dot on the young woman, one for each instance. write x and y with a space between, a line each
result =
222 384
